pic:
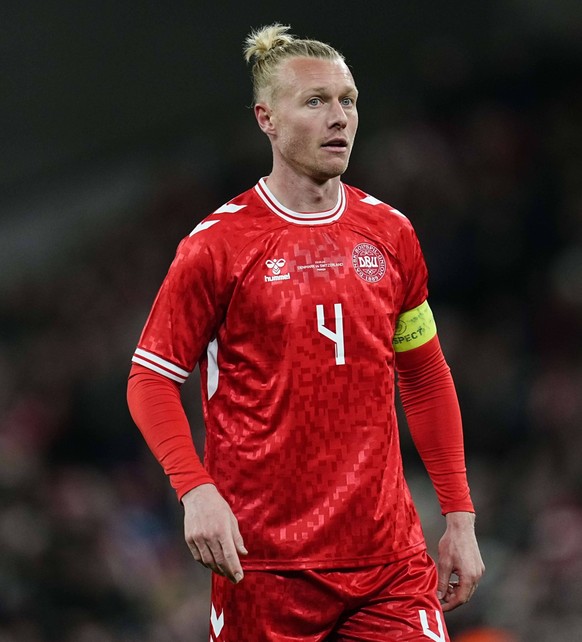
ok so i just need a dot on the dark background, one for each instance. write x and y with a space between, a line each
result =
123 124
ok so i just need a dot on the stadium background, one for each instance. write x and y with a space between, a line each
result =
123 123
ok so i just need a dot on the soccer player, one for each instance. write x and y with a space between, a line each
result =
299 300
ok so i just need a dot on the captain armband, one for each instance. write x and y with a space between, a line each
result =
414 328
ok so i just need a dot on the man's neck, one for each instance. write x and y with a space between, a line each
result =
304 194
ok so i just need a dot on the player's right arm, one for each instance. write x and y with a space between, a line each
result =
180 325
210 527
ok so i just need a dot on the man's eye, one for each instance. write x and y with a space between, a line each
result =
347 102
314 102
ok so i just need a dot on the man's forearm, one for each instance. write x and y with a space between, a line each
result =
156 407
434 419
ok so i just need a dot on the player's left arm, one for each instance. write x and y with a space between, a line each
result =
432 411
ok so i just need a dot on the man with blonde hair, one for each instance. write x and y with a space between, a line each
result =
299 299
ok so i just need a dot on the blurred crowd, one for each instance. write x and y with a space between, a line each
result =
91 545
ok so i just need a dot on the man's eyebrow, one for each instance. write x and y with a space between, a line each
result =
348 89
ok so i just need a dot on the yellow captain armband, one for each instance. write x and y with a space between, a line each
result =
414 328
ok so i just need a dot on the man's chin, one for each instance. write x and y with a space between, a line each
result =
331 170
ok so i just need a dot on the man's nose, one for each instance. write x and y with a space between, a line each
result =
338 116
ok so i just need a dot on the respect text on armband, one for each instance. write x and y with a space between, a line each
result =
410 336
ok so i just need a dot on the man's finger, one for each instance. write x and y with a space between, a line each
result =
238 540
226 560
231 563
208 558
444 575
457 595
195 552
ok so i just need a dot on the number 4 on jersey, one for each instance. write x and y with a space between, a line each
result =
338 336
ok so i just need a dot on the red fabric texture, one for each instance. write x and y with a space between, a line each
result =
428 396
156 407
382 602
432 411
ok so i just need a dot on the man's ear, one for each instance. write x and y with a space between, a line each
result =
264 117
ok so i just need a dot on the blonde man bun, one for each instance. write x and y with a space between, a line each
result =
268 46
260 41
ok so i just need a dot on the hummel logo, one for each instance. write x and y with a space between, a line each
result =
278 270
275 265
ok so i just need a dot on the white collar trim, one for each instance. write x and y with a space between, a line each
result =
301 218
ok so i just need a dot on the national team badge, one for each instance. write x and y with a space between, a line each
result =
369 263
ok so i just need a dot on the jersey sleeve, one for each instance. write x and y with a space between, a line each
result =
415 273
426 386
432 411
185 313
156 407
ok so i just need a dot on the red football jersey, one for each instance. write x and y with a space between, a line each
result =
291 317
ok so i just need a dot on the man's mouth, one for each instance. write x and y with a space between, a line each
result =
339 144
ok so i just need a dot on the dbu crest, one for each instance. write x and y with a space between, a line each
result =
368 262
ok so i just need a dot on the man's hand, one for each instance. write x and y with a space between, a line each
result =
211 532
458 554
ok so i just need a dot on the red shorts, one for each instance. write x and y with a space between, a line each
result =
396 602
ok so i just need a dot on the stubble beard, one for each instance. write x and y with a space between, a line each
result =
318 164
323 169
329 170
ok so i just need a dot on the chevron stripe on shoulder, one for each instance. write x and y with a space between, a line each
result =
372 200
229 208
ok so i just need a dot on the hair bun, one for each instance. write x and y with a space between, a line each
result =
263 40
267 47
